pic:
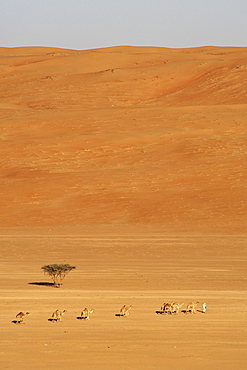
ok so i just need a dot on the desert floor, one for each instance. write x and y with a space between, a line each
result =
130 164
112 269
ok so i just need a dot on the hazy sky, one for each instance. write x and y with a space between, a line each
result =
89 24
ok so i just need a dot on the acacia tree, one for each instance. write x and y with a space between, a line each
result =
57 272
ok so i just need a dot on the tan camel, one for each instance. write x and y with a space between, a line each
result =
125 310
191 307
176 307
20 317
86 313
166 308
57 315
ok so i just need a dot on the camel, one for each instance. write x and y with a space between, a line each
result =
86 313
125 310
163 306
166 308
20 317
191 307
176 307
57 315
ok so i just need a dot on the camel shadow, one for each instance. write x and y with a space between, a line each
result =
160 312
53 320
81 318
186 311
164 312
190 311
16 322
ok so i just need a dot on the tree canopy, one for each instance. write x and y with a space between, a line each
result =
57 272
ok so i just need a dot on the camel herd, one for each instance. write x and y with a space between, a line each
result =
166 308
170 308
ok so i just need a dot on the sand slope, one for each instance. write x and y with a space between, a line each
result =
124 135
130 164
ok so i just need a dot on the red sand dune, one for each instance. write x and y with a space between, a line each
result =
130 163
124 135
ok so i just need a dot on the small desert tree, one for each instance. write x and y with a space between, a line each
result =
57 272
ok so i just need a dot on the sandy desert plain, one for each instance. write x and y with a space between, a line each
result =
129 163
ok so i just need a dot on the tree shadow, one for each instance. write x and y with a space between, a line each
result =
44 283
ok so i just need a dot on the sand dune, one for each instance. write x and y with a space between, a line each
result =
128 162
128 135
